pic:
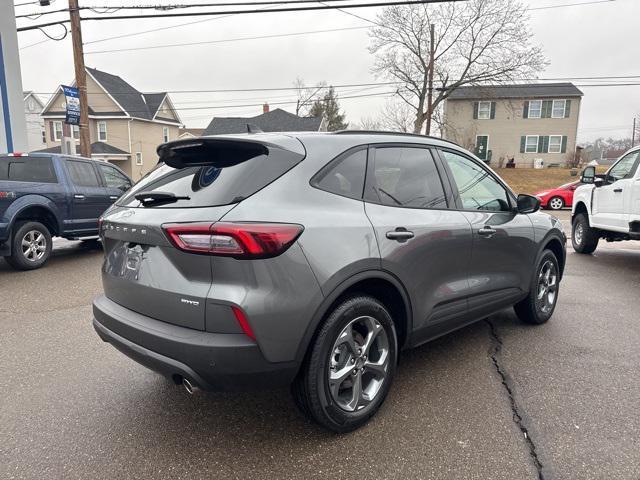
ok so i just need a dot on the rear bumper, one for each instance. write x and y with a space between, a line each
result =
212 361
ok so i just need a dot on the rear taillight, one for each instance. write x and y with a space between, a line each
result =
238 240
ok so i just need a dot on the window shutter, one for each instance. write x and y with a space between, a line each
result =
563 149
51 132
525 112
475 110
567 109
540 144
493 110
547 106
545 144
523 142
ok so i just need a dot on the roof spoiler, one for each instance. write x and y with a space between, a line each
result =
200 152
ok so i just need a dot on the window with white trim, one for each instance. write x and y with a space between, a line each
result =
165 134
555 143
57 130
76 132
535 109
531 144
138 158
558 109
44 137
102 131
484 110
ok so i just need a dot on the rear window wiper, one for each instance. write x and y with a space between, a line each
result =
149 198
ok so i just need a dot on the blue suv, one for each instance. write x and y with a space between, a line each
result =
45 195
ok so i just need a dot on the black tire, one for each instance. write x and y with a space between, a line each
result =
559 206
584 238
311 390
532 309
29 260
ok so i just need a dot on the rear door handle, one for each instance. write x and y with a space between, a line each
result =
400 234
79 196
113 197
487 232
617 190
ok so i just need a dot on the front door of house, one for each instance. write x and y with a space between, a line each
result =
482 145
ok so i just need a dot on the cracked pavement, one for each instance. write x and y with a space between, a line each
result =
73 407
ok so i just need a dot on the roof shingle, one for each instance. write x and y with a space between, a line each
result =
276 120
531 90
135 103
97 148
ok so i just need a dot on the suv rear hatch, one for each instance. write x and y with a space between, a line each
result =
196 182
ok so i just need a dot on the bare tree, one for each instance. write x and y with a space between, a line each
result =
396 116
476 42
306 96
369 123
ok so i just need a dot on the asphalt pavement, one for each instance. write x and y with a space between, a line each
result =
496 400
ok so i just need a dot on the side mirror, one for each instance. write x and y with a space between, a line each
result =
527 203
124 187
588 175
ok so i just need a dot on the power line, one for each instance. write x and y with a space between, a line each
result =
370 84
109 9
135 34
571 4
290 102
245 12
228 40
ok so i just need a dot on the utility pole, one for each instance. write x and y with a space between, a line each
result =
633 133
81 78
432 53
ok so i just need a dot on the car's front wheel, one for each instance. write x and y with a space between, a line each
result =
556 203
31 246
539 305
350 366
583 238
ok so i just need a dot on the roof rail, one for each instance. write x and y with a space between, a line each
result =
384 132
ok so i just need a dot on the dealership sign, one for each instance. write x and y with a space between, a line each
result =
73 105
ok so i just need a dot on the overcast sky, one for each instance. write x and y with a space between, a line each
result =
579 41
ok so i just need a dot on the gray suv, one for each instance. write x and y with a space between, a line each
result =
312 259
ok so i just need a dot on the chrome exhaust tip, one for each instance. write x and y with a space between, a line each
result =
189 387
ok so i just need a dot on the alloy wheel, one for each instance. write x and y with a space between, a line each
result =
547 287
556 203
578 233
358 363
34 245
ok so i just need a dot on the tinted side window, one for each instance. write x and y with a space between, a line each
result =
27 169
82 174
405 177
113 178
477 189
345 176
625 167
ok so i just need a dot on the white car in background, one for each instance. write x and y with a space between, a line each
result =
608 206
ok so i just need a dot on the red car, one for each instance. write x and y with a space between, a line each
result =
557 198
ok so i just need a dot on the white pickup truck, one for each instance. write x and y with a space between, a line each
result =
608 206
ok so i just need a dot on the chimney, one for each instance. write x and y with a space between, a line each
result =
265 108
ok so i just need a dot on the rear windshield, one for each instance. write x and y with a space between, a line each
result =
210 185
27 169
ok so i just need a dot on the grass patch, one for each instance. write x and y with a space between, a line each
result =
531 180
